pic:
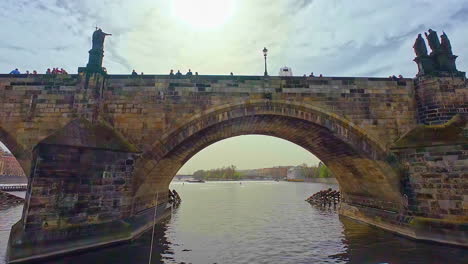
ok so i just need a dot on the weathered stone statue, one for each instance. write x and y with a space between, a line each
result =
441 61
98 39
433 40
445 45
96 54
420 46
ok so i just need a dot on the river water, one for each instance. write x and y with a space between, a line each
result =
258 222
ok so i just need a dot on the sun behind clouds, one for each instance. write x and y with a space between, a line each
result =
203 14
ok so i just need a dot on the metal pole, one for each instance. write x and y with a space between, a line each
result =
154 225
266 72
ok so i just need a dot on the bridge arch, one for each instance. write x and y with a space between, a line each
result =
358 160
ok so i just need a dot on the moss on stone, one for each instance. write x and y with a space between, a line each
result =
430 135
418 221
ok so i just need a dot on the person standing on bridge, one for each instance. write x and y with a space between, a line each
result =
134 73
189 73
15 71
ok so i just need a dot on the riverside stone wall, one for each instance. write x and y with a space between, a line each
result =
437 181
73 186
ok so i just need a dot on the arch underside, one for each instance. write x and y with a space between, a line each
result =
360 171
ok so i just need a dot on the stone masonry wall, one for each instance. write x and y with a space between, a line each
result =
439 99
144 108
437 181
383 108
75 186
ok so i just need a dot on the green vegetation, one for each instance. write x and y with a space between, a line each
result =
231 173
225 173
324 171
320 171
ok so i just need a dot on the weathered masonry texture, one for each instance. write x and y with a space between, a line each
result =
100 150
146 128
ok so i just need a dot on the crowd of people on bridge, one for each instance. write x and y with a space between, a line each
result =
179 74
34 72
311 75
56 71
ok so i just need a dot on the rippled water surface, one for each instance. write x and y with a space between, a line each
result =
258 222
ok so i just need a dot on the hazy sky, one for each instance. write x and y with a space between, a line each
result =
250 152
332 37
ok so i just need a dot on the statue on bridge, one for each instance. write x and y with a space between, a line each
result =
433 40
441 61
445 45
98 39
420 47
96 54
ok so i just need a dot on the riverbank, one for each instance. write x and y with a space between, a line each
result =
8 200
322 180
308 180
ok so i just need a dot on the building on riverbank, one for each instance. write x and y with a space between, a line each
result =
296 174
9 165
279 172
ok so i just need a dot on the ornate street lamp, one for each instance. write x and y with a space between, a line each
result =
265 53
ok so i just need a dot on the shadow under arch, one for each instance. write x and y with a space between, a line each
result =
357 159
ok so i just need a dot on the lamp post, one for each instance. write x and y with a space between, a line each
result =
265 52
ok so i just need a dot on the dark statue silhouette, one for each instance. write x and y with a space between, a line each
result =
445 44
96 54
98 39
420 47
441 61
433 40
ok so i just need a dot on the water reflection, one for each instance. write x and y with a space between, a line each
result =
261 222
366 245
135 252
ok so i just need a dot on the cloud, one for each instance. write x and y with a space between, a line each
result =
335 37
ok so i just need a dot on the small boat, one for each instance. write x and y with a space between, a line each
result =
196 181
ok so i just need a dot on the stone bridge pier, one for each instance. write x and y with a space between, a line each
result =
100 150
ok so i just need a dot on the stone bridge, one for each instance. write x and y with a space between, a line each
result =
100 150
